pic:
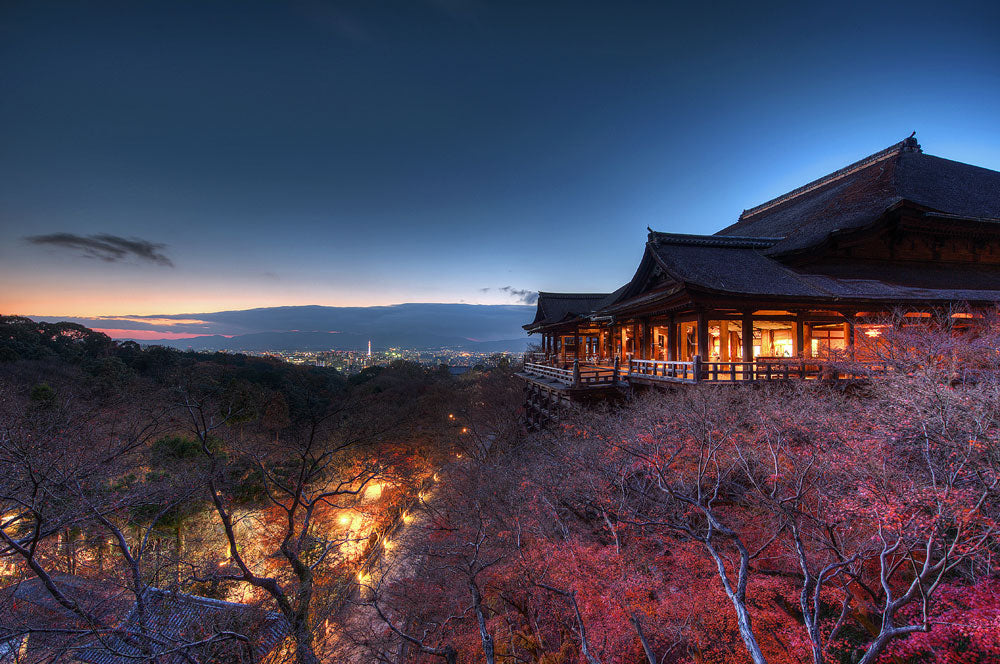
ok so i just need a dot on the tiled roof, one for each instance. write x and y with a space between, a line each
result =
859 194
732 269
721 241
173 619
28 606
741 268
97 598
559 307
748 258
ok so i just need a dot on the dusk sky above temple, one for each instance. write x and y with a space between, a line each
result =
181 157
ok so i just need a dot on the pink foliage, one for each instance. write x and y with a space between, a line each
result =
965 629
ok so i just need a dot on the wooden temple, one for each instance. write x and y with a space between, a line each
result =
793 281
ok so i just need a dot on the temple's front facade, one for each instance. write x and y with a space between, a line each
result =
796 280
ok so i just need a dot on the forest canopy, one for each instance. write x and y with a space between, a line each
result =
406 515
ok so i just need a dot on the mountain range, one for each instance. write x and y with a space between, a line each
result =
484 328
292 341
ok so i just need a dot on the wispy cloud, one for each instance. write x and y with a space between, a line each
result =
523 296
109 248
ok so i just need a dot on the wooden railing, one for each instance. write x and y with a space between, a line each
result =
576 377
695 371
679 372
545 371
759 370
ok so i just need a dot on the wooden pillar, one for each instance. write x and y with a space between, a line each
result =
636 341
703 336
562 348
849 334
747 336
807 340
647 340
600 345
576 342
672 340
767 342
799 349
724 340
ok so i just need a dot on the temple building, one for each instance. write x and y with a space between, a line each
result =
795 278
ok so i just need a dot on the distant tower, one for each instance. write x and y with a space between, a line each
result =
369 348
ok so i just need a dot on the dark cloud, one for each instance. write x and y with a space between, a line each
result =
523 296
109 248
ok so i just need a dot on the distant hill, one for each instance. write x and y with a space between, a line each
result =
290 341
488 328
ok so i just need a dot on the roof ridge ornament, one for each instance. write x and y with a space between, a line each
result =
652 237
910 144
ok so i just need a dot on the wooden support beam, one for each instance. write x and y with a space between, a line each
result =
724 340
849 334
672 340
799 349
647 340
702 335
747 336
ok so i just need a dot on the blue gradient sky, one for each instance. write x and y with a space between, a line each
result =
351 153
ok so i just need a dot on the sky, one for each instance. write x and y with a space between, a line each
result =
163 158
